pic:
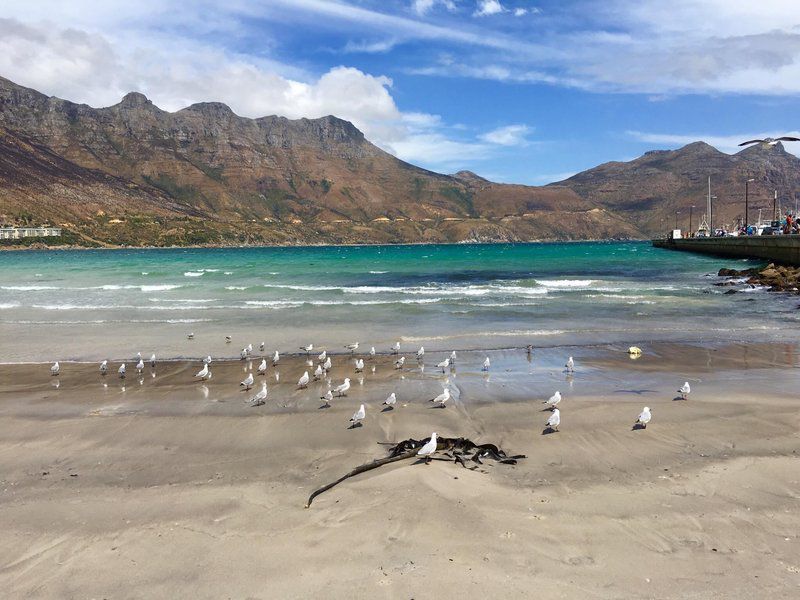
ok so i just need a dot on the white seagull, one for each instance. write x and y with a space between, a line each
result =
390 401
203 374
153 361
372 351
428 449
554 421
261 397
303 381
248 381
359 365
358 416
352 347
190 336
307 349
341 390
327 365
261 346
140 366
55 369
685 390
398 364
275 358
453 357
121 371
228 339
486 364
644 417
327 397
441 399
396 348
207 360
323 356
243 354
421 352
104 367
318 373
570 366
553 400
262 366
444 364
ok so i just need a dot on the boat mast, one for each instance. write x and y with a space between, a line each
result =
710 214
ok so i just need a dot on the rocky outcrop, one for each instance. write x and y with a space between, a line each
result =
777 278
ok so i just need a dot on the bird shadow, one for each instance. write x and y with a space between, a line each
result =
324 406
548 409
388 409
637 392
436 406
638 426
355 425
548 431
678 399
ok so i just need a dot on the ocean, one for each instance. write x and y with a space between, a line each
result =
94 304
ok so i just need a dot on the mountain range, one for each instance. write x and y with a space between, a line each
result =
133 174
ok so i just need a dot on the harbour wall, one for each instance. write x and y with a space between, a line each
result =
782 249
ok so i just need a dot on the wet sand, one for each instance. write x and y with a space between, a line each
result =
172 488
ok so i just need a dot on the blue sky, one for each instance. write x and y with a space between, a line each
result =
515 90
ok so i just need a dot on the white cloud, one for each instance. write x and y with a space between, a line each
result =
520 12
509 135
486 8
726 143
422 7
375 47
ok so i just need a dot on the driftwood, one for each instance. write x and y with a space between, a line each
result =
458 449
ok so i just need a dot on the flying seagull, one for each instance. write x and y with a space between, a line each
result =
768 141
428 449
644 417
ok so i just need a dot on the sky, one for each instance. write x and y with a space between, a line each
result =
515 90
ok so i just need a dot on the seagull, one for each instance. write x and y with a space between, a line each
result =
261 346
261 397
327 397
228 339
372 352
140 366
428 449
341 390
323 356
442 398
398 364
359 365
121 371
486 364
303 381
444 364
768 141
243 354
190 336
104 367
453 357
307 349
54 370
138 356
554 421
249 349
327 365
685 390
644 417
153 361
352 347
421 352
275 358
570 366
318 373
262 366
390 401
248 382
553 400
358 416
204 373
396 348
207 360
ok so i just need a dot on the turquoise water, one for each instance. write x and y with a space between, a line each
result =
92 304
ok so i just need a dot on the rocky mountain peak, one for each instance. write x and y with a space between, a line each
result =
134 100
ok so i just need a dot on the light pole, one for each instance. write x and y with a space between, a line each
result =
691 209
746 205
676 219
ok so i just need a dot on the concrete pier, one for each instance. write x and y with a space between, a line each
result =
782 249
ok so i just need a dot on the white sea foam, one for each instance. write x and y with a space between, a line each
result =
9 305
566 283
378 272
235 287
28 288
193 274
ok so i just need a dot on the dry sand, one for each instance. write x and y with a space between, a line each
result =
170 489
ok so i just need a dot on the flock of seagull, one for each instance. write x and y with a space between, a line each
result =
324 365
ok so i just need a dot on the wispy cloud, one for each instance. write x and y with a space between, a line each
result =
488 7
422 7
509 135
373 47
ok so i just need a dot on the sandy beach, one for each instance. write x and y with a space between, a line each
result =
173 488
